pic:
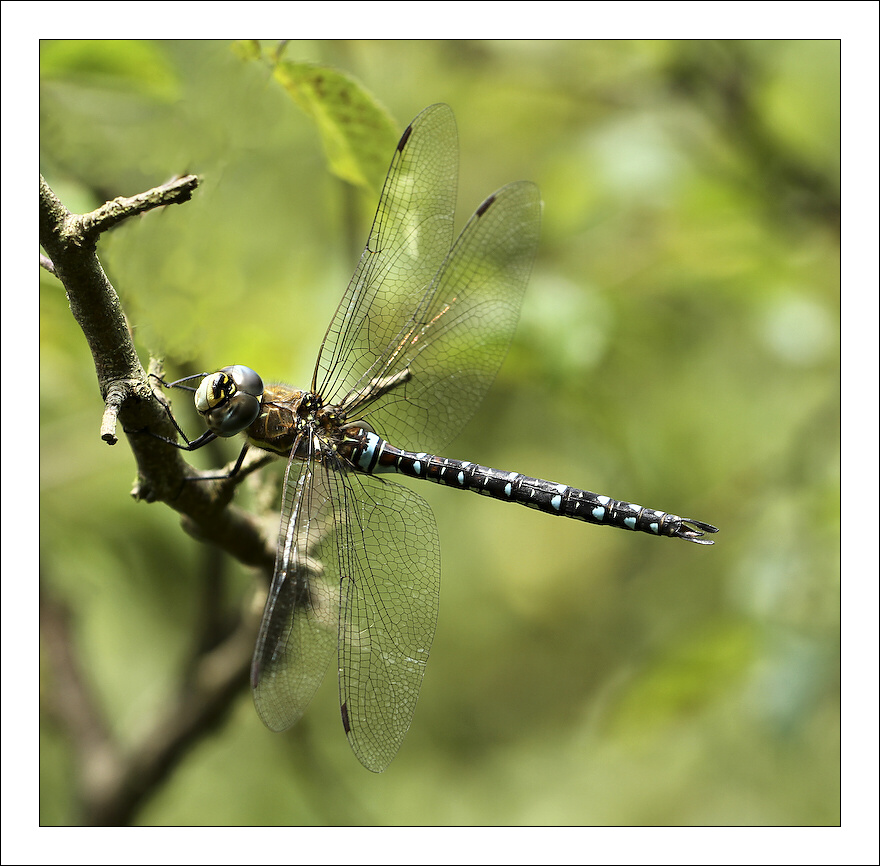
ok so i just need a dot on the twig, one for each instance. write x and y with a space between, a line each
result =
112 213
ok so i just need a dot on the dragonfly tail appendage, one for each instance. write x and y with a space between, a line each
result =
695 531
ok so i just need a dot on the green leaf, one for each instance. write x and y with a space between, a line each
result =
358 134
247 49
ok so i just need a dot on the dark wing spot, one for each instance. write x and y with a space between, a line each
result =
485 205
404 138
345 723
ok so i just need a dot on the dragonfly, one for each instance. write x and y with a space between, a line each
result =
409 354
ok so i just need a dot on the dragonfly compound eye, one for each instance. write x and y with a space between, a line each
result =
235 415
229 400
245 379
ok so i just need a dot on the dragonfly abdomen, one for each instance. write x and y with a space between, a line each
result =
373 455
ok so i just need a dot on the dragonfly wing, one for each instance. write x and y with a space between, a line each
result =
457 338
300 621
357 568
411 234
389 596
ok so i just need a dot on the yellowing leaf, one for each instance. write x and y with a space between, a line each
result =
357 133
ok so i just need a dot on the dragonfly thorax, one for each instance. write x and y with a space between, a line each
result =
288 421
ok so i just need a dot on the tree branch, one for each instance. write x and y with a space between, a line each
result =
69 240
113 783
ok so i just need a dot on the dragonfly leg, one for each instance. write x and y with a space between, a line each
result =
354 401
191 445
194 445
177 382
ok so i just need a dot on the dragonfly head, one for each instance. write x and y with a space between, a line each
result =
230 399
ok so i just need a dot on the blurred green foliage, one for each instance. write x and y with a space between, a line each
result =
678 346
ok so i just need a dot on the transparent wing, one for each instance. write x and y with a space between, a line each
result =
357 567
454 342
300 621
390 593
411 234
434 318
